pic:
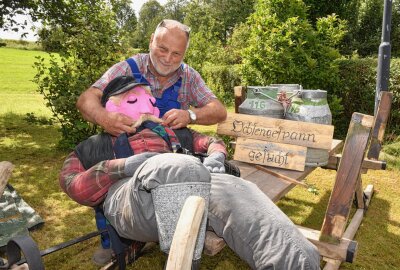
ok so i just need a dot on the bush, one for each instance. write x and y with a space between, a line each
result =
285 48
51 39
221 80
356 91
21 44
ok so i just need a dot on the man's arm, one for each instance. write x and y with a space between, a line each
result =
91 109
211 113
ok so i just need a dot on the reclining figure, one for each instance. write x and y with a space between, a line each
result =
122 172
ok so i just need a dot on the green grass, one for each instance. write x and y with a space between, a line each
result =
17 91
31 148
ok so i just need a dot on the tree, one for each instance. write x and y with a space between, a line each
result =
229 13
367 34
51 39
218 17
10 9
285 48
175 9
125 15
150 15
126 21
345 9
90 45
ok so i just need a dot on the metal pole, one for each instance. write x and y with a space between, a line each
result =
382 80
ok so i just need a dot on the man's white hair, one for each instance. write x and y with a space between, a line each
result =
170 24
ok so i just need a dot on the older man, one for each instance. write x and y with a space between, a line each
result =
181 93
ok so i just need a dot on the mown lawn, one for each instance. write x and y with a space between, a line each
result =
32 149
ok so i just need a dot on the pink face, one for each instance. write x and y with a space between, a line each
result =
134 103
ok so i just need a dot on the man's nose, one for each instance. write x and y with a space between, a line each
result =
168 57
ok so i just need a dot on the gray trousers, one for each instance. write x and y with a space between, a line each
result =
250 223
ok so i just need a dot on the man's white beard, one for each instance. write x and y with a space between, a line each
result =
157 70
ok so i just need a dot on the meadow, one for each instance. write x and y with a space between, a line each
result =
31 147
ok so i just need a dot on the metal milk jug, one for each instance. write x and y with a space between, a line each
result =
262 101
287 87
312 106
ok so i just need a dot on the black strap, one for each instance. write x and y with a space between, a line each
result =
118 247
28 248
122 147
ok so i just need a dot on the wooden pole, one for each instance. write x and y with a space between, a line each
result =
240 96
335 252
368 164
380 121
5 173
339 205
184 241
280 176
213 244
352 228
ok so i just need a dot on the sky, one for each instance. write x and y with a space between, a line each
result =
136 5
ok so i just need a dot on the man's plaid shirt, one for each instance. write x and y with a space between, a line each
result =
89 187
193 92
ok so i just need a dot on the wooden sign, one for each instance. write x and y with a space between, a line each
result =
279 155
277 130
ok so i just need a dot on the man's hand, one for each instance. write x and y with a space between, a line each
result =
209 114
176 118
90 106
116 123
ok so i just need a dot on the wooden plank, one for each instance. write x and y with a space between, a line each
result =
277 130
346 178
213 244
292 157
336 147
337 252
185 236
5 173
246 169
359 194
367 164
272 185
280 176
240 96
380 121
352 228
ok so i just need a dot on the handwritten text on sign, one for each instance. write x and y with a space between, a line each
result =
271 154
277 130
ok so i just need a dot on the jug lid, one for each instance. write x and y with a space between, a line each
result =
310 93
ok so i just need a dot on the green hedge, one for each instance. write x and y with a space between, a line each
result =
356 89
354 92
222 79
